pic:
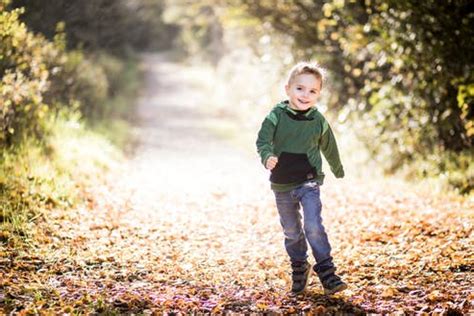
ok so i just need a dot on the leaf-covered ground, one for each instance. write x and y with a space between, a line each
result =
189 225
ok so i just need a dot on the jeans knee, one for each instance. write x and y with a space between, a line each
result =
314 231
293 234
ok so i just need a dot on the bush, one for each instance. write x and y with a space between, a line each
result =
40 77
116 27
80 82
27 62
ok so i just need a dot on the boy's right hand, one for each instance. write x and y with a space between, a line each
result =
271 162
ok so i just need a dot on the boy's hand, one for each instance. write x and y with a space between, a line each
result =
271 162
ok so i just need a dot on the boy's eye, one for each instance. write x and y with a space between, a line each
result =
298 88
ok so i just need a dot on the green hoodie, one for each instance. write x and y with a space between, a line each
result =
297 139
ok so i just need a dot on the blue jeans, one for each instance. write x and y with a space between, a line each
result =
288 205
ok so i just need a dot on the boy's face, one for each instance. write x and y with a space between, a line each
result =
303 91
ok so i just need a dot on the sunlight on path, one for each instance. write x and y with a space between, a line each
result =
189 184
177 156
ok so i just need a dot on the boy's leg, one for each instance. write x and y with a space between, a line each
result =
290 219
309 196
295 241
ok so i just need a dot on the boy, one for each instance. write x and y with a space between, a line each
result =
289 143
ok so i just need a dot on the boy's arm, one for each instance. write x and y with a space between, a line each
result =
329 149
265 138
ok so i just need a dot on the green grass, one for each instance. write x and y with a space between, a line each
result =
36 176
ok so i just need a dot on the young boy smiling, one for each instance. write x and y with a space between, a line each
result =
290 141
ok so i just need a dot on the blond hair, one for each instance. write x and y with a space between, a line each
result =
305 67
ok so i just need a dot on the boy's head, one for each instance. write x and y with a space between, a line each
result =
304 85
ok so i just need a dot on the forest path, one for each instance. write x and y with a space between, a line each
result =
188 223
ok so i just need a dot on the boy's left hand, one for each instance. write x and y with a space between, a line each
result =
271 162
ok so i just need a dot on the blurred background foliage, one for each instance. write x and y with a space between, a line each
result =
114 26
401 72
76 55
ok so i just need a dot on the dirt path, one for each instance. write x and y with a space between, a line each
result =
189 224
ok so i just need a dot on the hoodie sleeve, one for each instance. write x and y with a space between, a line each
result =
329 149
265 137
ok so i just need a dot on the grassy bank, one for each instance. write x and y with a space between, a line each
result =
37 175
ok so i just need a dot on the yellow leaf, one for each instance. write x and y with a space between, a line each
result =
435 296
389 292
319 310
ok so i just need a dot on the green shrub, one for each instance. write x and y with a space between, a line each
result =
26 65
39 78
116 27
80 81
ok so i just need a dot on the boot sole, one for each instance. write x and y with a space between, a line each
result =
338 288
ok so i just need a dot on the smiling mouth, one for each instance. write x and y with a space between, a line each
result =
303 102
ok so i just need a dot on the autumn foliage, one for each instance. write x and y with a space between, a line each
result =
163 235
187 224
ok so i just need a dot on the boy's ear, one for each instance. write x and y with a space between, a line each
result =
287 87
